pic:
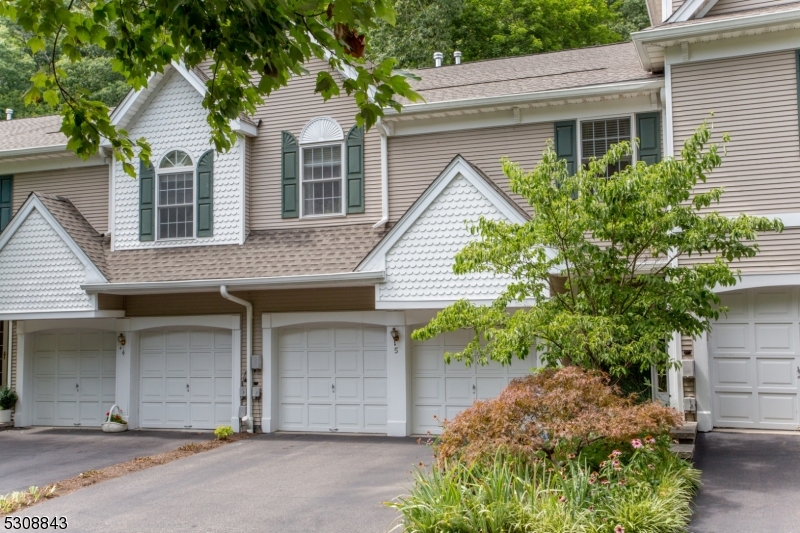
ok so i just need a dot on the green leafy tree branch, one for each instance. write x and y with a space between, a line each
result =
254 48
593 274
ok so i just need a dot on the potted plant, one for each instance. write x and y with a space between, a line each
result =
8 399
114 422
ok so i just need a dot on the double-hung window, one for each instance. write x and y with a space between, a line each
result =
597 136
175 196
322 180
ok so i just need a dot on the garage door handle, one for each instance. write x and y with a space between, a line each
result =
473 388
333 387
77 387
798 371
187 387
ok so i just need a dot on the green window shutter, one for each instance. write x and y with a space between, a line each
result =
205 195
566 144
648 129
147 202
355 170
6 194
290 176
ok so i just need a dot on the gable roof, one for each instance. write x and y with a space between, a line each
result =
459 166
70 226
133 102
566 69
651 42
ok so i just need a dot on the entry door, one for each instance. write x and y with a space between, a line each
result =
333 379
755 361
74 377
441 391
186 379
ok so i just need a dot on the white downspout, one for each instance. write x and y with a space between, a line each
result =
384 177
223 290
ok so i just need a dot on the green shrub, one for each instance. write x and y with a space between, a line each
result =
644 489
223 432
8 398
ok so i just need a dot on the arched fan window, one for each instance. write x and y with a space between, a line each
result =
321 168
175 196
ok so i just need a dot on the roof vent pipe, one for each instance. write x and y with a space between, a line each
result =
437 59
9 114
457 56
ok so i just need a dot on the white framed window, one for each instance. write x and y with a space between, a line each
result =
322 163
175 196
600 134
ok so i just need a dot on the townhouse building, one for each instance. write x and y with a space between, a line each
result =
277 285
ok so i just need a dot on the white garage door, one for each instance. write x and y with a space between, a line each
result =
753 355
73 378
333 379
186 379
441 391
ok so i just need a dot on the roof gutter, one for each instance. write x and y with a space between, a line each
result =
541 96
35 150
212 285
668 32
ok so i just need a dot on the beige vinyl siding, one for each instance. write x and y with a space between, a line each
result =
87 189
415 161
778 253
277 301
731 6
755 101
289 109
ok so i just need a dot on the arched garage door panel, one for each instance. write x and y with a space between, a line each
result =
73 377
332 378
185 378
754 361
440 391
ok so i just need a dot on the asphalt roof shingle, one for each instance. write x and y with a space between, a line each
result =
565 69
31 132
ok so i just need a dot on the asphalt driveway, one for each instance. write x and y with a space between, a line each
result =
751 483
40 456
268 483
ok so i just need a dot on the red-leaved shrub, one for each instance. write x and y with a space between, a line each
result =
555 412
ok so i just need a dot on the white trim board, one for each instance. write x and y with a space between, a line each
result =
93 274
53 315
755 281
374 318
549 112
739 46
691 9
52 161
459 166
212 285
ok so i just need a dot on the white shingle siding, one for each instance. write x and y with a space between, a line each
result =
175 119
39 272
419 267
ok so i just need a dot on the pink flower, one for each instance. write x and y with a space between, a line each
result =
562 499
619 529
616 465
615 453
649 440
636 443
604 482
603 464
651 467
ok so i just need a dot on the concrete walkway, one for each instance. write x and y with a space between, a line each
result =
266 484
43 455
751 483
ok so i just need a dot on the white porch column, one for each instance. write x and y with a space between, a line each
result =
675 375
23 381
702 383
269 376
126 382
397 360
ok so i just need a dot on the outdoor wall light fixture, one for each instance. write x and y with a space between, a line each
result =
395 335
121 341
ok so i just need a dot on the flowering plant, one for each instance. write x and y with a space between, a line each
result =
116 417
